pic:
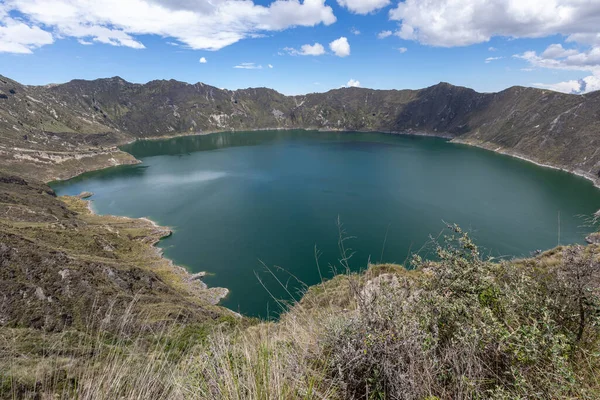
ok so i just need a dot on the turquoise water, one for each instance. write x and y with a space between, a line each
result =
237 200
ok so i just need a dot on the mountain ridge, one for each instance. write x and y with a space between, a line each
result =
60 130
440 83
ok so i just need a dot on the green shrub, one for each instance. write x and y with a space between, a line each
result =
471 328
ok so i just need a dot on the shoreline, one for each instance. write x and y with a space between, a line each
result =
315 129
211 132
191 280
500 150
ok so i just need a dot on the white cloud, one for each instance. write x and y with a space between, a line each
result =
384 34
451 23
353 83
354 31
248 65
110 36
18 37
84 42
270 66
202 60
340 47
557 57
557 51
490 59
363 6
316 49
579 86
402 49
586 38
208 25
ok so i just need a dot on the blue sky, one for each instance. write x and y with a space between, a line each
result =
553 43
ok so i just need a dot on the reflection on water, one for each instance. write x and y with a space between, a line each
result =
186 145
196 177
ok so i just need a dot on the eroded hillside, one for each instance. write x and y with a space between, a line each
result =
58 131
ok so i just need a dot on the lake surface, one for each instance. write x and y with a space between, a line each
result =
238 199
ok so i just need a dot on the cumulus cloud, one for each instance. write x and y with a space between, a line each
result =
384 34
354 31
208 25
492 49
449 23
18 37
557 57
402 49
353 83
340 47
490 59
203 60
316 49
557 51
248 65
363 6
270 66
579 86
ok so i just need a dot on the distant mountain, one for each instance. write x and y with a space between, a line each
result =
58 131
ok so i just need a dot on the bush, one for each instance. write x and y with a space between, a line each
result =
465 327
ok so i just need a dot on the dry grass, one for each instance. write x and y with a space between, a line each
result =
460 327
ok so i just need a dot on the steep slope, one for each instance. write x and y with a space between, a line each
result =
552 128
47 137
60 264
69 128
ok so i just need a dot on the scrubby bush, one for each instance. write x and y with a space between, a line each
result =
465 327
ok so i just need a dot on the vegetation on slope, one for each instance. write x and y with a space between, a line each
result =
456 327
66 274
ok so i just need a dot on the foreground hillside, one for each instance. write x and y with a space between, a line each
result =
90 311
66 273
58 131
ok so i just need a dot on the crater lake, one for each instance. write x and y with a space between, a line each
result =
240 202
